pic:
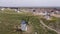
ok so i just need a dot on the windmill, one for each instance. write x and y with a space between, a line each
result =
23 26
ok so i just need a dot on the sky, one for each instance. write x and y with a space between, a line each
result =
30 3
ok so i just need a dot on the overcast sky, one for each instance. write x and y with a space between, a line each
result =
30 3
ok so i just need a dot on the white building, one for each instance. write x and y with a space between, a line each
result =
2 9
47 16
23 26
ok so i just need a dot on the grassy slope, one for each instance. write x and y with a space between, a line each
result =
54 22
9 20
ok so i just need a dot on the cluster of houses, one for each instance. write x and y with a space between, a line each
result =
33 9
47 12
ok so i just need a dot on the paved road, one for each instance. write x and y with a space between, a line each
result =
48 26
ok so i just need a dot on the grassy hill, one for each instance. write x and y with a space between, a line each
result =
9 19
54 23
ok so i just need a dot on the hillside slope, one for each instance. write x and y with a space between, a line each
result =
8 20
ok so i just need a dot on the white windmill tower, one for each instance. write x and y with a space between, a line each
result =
23 26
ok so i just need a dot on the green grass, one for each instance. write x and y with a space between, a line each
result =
53 21
9 19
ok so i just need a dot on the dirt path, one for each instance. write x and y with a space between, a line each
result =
48 26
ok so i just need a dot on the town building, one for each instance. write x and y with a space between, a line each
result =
35 10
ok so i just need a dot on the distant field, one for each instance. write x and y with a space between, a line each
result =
9 19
